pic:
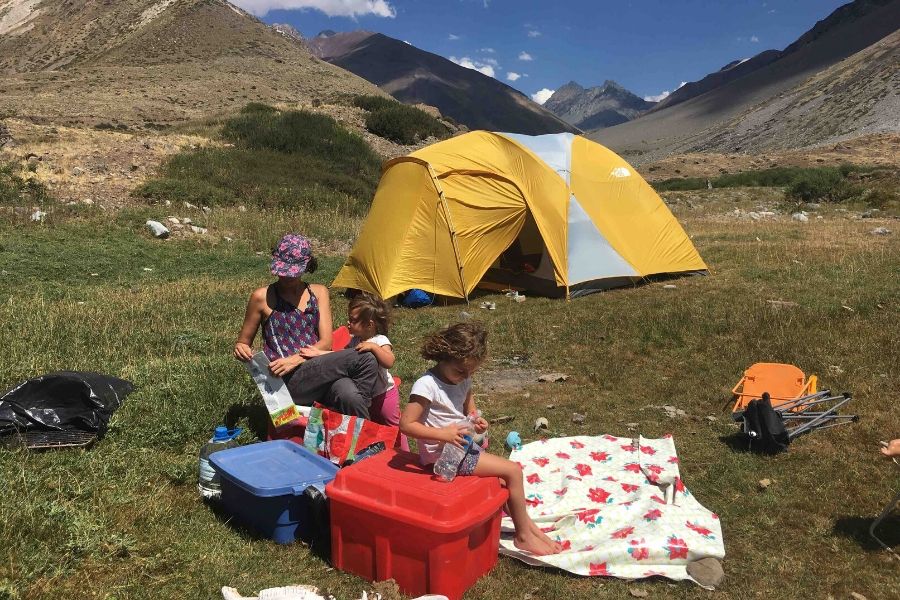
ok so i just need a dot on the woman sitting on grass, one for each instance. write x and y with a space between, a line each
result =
295 315
442 398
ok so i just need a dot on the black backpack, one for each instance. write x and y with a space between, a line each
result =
764 427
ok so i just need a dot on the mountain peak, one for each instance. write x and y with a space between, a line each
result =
601 106
326 33
572 85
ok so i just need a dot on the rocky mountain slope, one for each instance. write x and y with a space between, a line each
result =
818 92
415 76
596 107
140 62
835 21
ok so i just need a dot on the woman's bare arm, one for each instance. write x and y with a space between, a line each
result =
252 318
325 322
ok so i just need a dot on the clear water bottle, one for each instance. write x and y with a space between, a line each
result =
208 482
452 455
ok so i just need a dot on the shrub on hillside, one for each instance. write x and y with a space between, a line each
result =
404 124
826 184
373 103
16 191
801 184
257 107
279 159
303 132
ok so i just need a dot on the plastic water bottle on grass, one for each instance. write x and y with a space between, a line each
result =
208 483
452 455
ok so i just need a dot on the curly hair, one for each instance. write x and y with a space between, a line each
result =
371 309
457 342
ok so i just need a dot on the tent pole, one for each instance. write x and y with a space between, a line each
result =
446 208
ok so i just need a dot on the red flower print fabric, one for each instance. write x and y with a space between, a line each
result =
617 505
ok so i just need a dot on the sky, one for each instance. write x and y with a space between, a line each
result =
650 47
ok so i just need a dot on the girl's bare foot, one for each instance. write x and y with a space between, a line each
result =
529 542
557 547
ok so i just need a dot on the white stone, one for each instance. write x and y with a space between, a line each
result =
158 229
799 217
881 231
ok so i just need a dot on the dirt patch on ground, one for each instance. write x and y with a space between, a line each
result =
89 165
503 379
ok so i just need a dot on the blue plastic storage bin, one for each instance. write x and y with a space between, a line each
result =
263 486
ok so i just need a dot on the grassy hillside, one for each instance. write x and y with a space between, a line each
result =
123 519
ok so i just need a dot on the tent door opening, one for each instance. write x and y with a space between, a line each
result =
524 266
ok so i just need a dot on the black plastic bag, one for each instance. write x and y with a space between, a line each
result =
764 427
63 401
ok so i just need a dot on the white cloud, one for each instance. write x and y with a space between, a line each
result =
663 95
332 8
754 39
542 96
525 56
487 50
772 12
476 65
512 76
534 33
452 37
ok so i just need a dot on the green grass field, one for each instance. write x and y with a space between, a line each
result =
123 519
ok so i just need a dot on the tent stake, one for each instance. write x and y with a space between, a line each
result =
459 265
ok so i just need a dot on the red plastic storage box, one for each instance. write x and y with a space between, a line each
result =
390 519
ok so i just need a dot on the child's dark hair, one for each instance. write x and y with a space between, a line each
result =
312 265
371 309
457 342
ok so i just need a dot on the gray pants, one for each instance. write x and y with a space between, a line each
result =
343 381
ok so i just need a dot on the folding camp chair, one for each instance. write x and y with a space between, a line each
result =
783 382
776 403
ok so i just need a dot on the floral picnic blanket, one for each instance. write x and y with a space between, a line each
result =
617 506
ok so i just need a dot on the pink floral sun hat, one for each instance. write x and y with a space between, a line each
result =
291 255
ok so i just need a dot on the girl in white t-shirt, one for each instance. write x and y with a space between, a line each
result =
442 398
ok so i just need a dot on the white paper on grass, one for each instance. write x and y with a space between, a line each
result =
274 392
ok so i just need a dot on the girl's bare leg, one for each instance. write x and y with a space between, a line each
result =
529 537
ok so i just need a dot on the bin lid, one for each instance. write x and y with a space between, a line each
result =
273 468
393 484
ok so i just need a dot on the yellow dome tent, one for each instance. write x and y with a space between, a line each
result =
556 213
